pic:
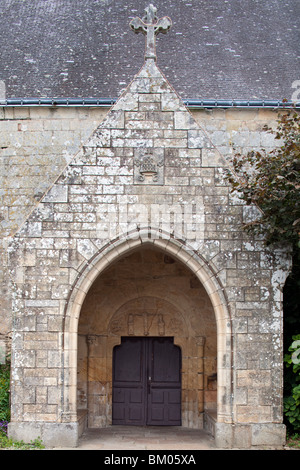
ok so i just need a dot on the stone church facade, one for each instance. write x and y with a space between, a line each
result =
134 237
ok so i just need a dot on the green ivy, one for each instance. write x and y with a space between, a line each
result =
291 400
4 391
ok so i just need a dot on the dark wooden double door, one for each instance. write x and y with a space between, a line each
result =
147 382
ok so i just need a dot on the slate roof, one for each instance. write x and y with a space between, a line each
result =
220 49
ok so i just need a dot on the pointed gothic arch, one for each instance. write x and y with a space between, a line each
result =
88 273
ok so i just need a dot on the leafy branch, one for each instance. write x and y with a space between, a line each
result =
271 181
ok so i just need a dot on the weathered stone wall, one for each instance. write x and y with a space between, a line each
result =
148 170
37 143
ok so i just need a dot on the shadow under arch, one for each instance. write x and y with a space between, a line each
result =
179 249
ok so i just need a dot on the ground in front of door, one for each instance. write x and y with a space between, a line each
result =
145 438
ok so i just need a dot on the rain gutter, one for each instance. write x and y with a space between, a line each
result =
108 102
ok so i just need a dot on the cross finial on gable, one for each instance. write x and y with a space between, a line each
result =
150 26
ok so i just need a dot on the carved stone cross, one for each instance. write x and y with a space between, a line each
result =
150 26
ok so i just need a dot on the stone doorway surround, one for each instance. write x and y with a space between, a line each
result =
150 238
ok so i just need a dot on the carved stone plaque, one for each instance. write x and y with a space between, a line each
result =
149 166
147 324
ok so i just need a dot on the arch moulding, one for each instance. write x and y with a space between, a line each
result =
88 273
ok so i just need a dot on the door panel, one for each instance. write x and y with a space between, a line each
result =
129 383
164 399
129 352
166 361
147 382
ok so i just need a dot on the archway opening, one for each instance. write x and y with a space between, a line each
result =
147 293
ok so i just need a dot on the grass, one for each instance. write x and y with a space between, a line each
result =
10 444
293 441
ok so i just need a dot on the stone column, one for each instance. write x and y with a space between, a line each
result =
97 381
192 381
